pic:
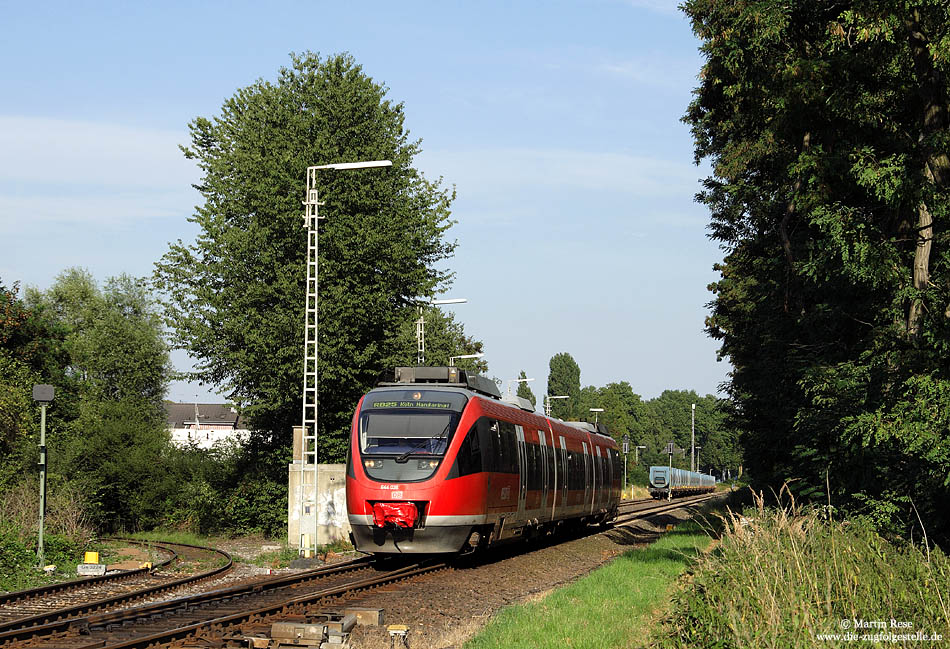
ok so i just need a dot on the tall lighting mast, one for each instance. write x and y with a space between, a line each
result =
310 363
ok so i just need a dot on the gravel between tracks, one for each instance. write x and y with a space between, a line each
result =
445 609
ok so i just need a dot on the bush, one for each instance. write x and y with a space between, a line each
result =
16 559
194 508
66 509
258 507
784 576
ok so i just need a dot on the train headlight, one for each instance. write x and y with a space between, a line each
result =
427 464
372 464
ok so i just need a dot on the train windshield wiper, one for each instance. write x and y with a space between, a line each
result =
405 456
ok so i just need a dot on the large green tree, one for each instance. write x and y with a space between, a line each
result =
107 431
827 127
564 379
524 391
670 418
235 295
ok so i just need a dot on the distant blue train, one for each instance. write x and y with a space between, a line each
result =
664 480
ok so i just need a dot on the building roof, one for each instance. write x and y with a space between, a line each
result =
181 414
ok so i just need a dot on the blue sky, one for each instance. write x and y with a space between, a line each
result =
557 123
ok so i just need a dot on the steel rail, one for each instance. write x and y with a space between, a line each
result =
76 584
271 609
26 626
220 623
661 509
83 622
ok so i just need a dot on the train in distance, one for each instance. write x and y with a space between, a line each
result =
440 462
666 482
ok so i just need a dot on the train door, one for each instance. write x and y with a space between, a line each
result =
544 469
522 469
599 471
587 474
563 471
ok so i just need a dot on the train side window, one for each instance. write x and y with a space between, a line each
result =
469 458
533 477
486 438
529 465
538 468
507 447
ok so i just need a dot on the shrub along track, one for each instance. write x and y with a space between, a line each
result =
222 617
31 609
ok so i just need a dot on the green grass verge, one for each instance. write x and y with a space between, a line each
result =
614 606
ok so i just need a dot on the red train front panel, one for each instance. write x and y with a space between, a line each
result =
440 469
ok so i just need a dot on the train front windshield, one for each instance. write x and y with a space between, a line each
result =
403 434
413 432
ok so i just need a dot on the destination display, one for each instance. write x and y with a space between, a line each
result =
435 405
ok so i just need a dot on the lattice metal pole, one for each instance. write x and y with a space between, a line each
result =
311 320
310 363
421 338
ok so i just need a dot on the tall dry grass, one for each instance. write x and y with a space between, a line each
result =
784 575
65 512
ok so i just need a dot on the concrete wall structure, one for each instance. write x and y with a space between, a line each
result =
323 513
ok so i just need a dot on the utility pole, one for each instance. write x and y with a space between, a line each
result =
670 448
692 443
310 409
43 394
626 449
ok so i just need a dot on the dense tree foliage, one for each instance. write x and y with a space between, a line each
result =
827 127
444 338
669 418
564 379
107 432
102 349
656 422
235 296
524 391
110 460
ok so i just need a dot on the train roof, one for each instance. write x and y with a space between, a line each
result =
445 376
463 380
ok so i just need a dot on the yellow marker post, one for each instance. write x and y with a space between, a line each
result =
90 557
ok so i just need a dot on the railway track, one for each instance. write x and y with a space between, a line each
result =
20 603
215 613
227 617
641 508
34 608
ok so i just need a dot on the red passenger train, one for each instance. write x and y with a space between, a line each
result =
440 463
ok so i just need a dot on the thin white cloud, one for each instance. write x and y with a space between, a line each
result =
497 171
63 152
660 6
655 70
61 171
22 214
